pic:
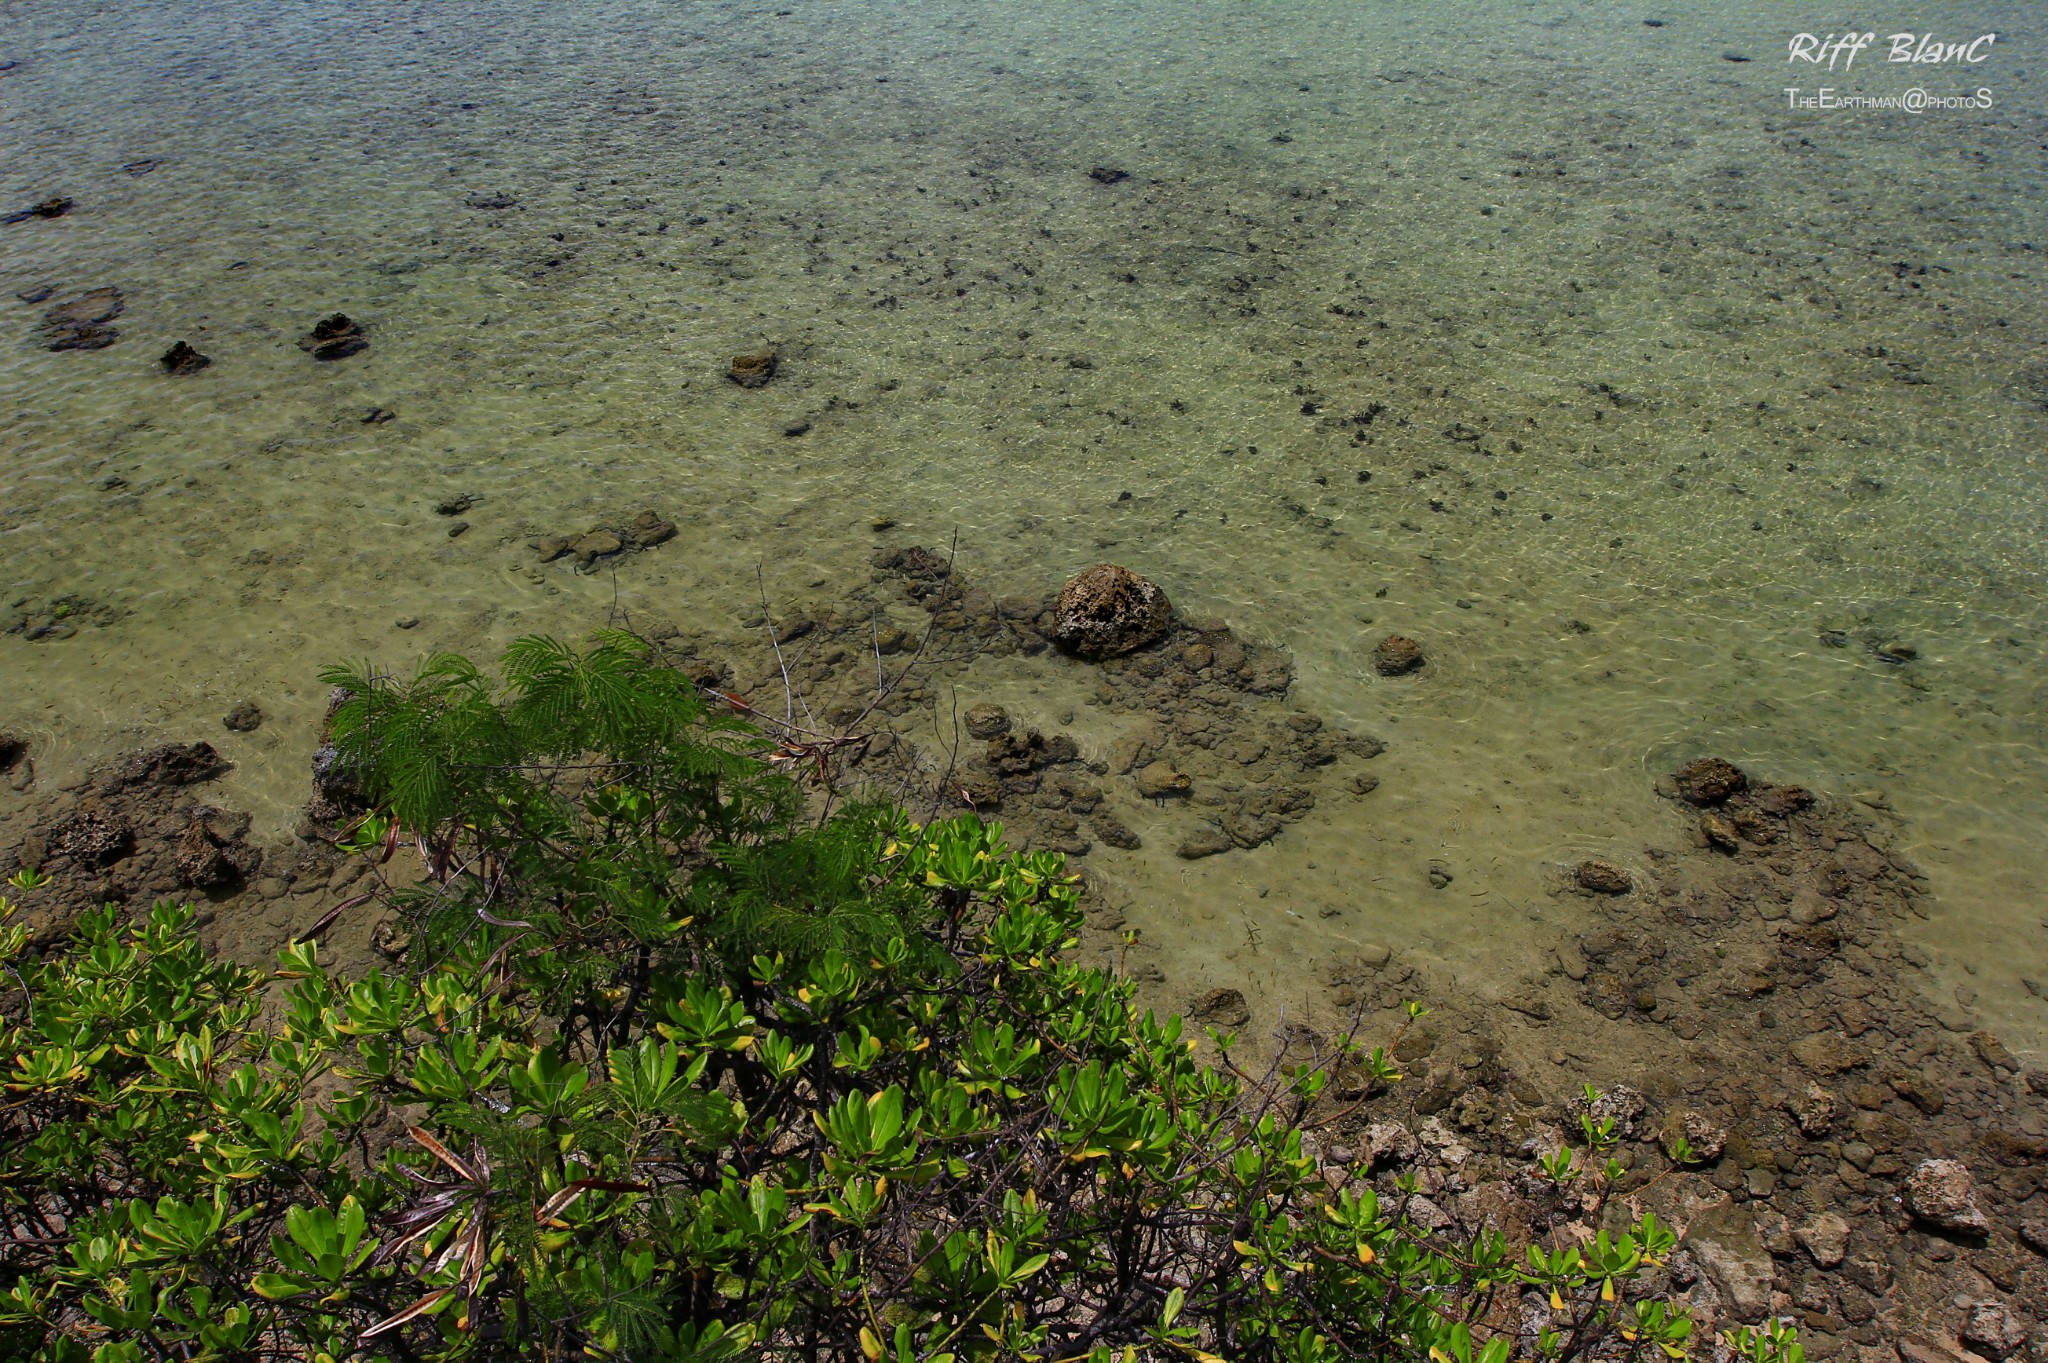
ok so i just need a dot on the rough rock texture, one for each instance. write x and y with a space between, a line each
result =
80 323
131 833
986 721
1709 780
1995 1328
1109 611
753 370
211 857
1724 1240
1706 1138
1942 1193
1220 1008
649 529
1825 1238
1602 877
182 359
1396 656
335 337
1159 780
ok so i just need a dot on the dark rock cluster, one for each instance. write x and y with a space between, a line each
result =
335 337
80 323
1864 1157
644 531
55 206
131 834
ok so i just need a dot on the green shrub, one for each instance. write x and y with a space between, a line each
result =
687 1075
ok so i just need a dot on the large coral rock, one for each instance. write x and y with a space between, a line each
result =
1109 611
1941 1193
1710 780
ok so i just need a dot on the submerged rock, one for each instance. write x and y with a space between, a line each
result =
754 369
172 764
1710 780
1397 655
80 323
244 718
644 532
1220 1008
182 359
986 721
335 337
648 530
1114 832
54 207
595 545
1602 877
1159 780
1109 611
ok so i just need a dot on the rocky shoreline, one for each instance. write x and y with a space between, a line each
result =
1867 1158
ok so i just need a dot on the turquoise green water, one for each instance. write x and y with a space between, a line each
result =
1738 375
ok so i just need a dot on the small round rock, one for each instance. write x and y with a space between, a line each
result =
1602 877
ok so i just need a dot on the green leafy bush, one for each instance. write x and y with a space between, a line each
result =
684 1074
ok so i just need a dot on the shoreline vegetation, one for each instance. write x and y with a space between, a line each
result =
682 1064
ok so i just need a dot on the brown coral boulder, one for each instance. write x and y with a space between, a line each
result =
753 370
1710 780
1602 877
1109 611
1397 655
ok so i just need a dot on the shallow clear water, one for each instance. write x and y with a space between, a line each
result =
1737 376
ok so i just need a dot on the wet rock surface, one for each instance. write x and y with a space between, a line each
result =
335 337
1109 611
80 323
1602 877
754 369
1396 656
644 531
1709 780
55 206
135 831
181 359
1204 735
1776 1018
1220 1008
